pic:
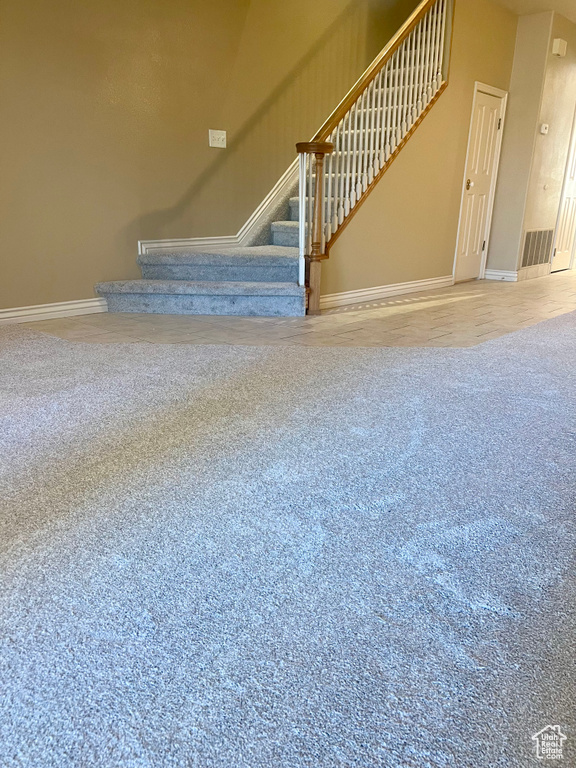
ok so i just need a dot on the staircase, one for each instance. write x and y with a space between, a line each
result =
338 168
257 280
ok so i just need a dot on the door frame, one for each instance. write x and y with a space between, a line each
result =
562 194
503 96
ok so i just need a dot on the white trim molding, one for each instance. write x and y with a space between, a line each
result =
157 246
52 311
501 274
332 300
249 231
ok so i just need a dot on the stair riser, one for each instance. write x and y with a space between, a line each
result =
287 239
254 274
268 306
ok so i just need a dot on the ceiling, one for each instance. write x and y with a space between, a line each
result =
565 7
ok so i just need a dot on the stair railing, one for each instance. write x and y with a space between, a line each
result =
340 166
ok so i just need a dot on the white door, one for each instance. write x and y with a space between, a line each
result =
484 144
566 227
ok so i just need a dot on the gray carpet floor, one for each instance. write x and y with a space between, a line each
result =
272 557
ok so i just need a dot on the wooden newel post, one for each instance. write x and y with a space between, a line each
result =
319 149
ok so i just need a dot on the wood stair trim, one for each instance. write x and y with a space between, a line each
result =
366 78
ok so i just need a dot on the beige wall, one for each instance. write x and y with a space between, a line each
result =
100 114
526 88
543 90
295 62
106 106
406 229
551 150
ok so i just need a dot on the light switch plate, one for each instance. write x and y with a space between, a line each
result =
217 139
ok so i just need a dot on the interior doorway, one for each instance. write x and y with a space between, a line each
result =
566 226
482 161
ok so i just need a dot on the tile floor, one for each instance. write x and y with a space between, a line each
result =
461 316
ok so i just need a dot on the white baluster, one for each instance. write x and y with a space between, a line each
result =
432 78
384 87
428 27
361 143
438 32
367 139
401 93
302 219
409 85
354 157
405 85
370 127
394 135
423 63
333 204
398 89
323 198
345 180
411 99
379 122
388 113
331 166
442 38
310 207
419 70
336 201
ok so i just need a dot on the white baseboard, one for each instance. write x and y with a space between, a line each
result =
52 311
332 300
501 274
245 235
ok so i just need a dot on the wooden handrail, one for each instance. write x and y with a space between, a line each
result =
315 147
364 134
379 62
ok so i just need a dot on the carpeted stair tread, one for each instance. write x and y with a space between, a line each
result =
259 255
200 288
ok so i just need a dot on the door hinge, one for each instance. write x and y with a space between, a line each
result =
484 245
499 123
